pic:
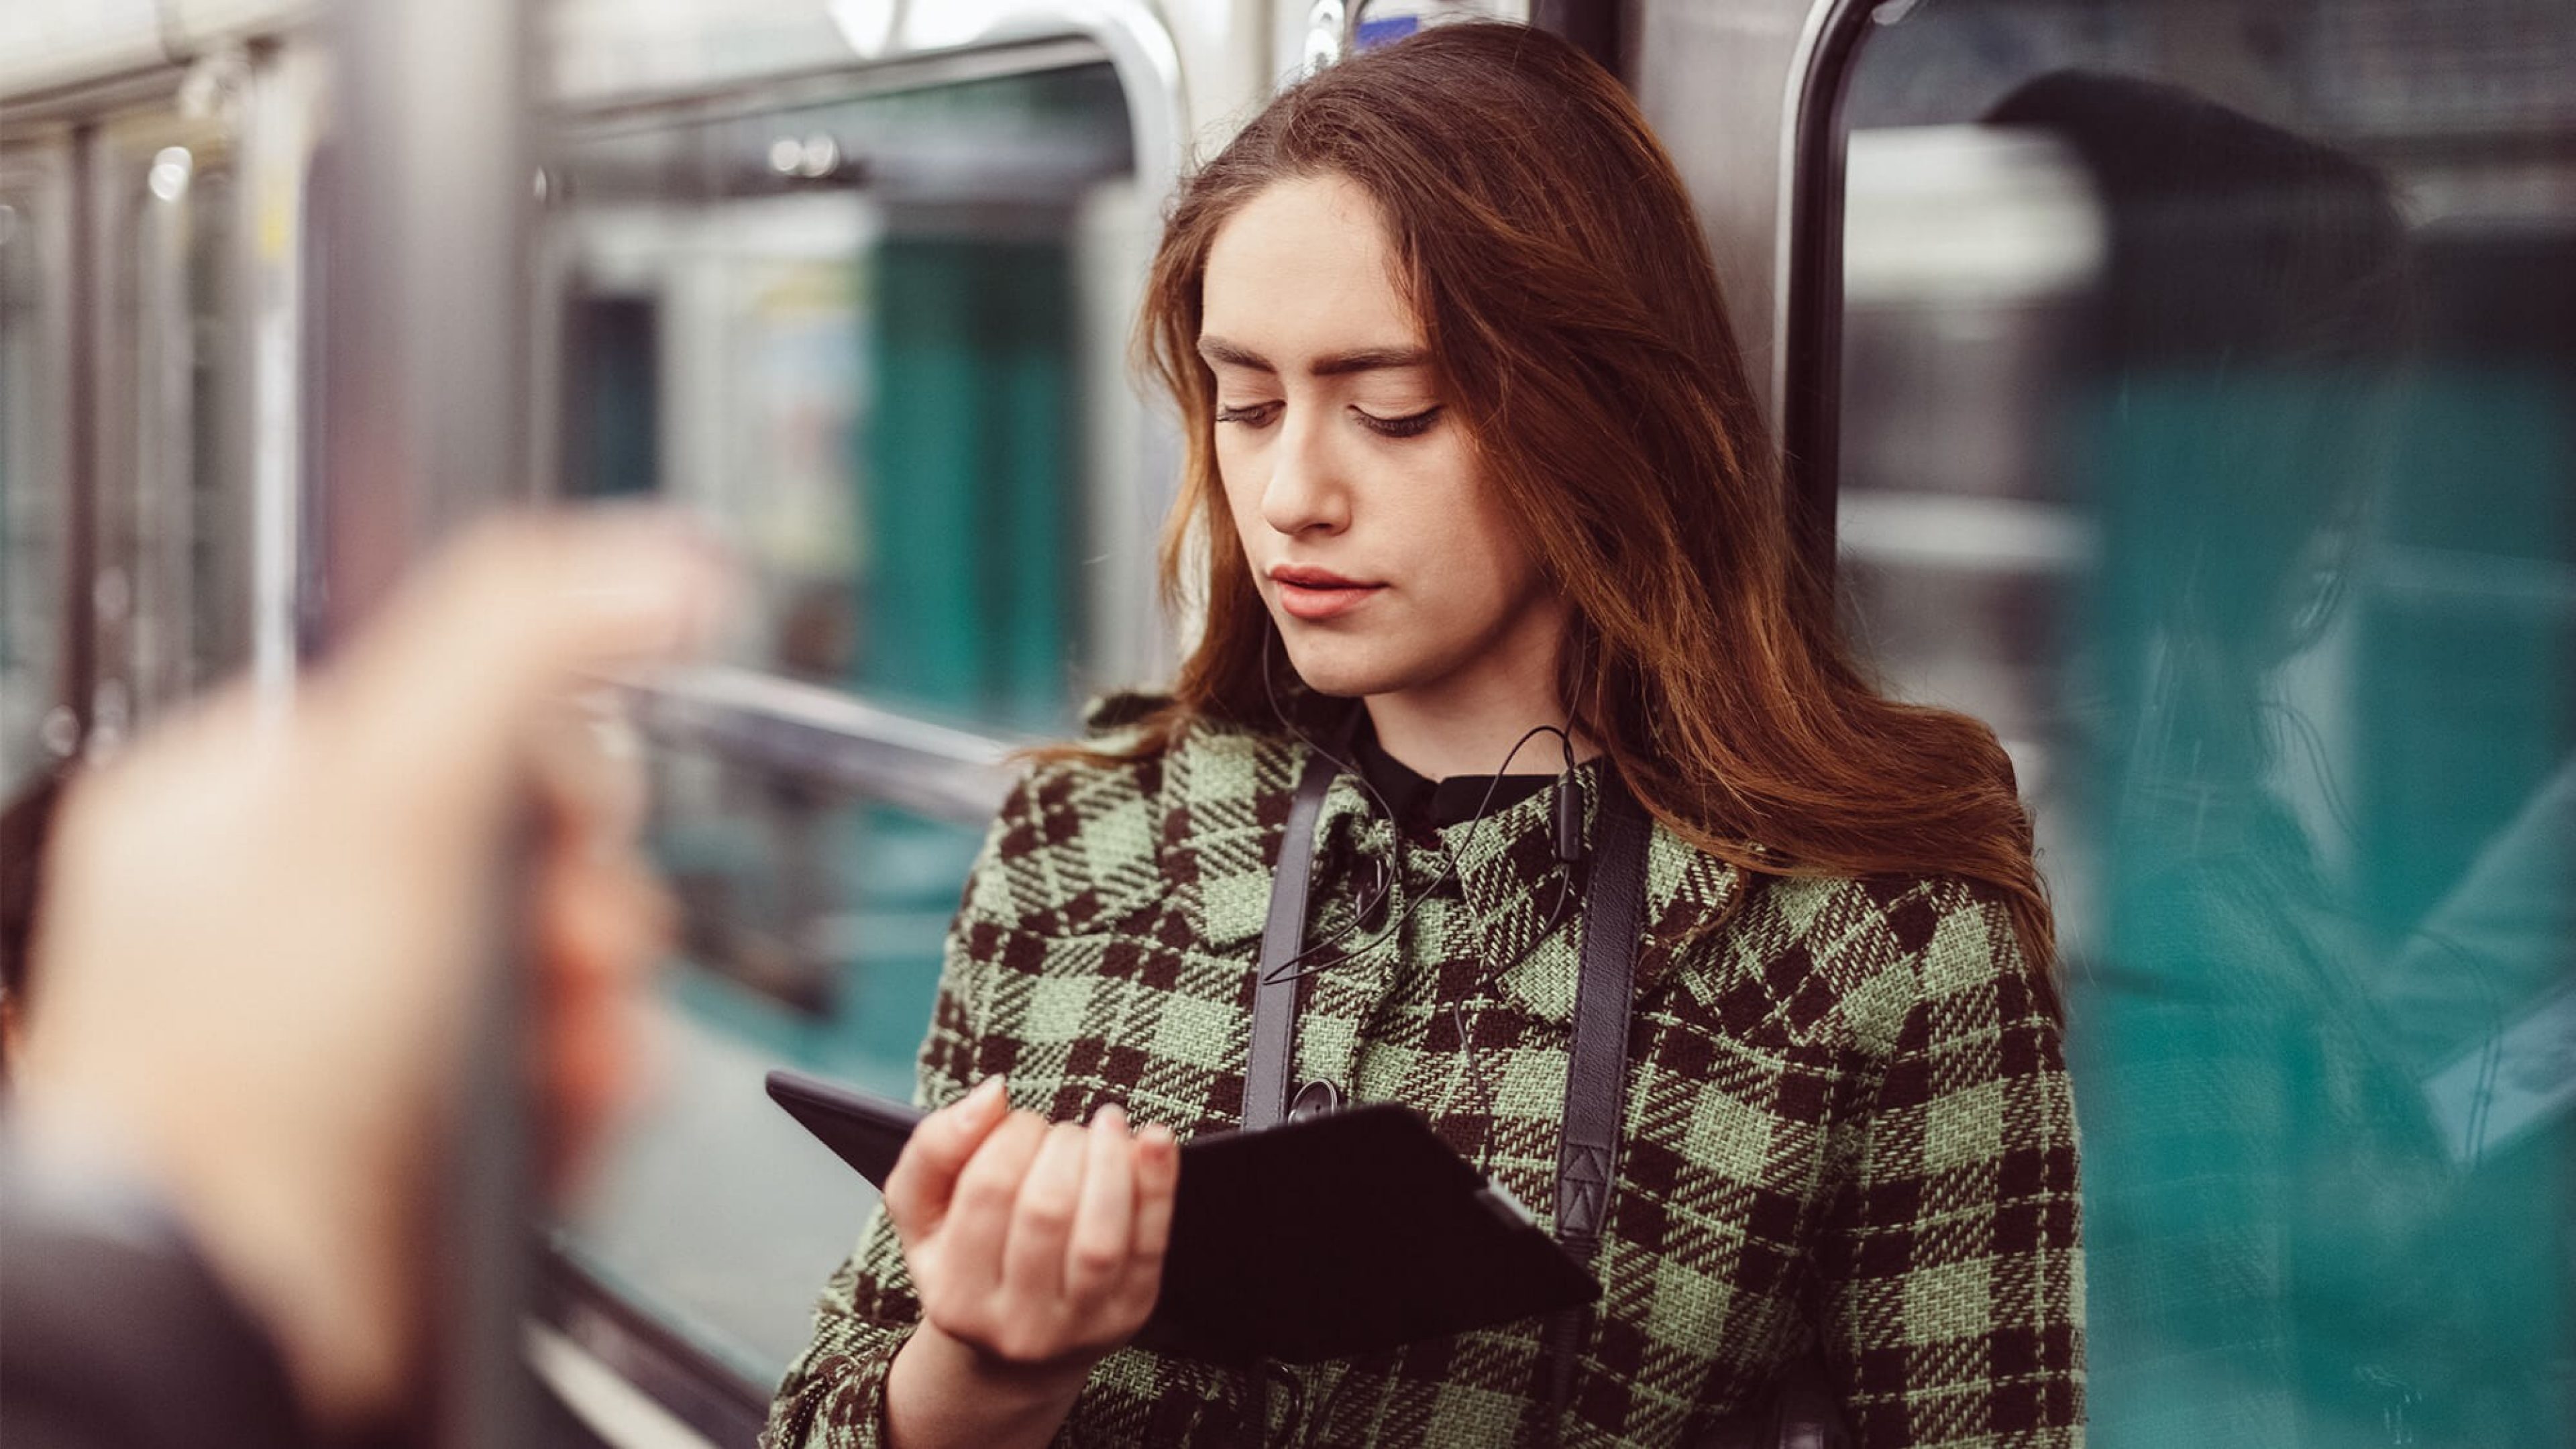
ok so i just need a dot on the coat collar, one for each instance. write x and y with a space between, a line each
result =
1227 794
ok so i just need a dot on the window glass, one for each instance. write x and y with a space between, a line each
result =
33 494
851 334
877 343
193 515
812 921
2208 426
170 582
220 513
815 915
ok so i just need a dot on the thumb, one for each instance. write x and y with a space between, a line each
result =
495 629
917 1192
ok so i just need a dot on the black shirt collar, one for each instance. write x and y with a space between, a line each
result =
1418 802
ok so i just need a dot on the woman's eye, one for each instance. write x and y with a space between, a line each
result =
1251 415
1411 425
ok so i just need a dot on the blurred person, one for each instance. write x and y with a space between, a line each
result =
254 966
1473 457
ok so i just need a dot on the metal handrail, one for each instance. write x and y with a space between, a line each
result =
827 734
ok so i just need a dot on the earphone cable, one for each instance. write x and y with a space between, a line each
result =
1299 967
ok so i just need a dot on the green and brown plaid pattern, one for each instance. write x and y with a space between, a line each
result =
1847 1119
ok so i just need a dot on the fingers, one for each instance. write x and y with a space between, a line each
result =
1052 1242
1033 1262
1104 1225
600 925
1158 1178
587 766
495 628
978 1228
919 1191
550 594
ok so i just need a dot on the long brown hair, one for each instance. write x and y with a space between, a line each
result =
1549 249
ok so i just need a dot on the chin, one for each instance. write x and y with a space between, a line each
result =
1346 668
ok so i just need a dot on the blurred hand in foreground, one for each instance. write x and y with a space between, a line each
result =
261 931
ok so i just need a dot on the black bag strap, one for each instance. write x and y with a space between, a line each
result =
1596 1073
1614 905
1596 1068
1800 1412
1283 936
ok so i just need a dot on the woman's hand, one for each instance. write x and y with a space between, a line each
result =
1035 1250
1039 1245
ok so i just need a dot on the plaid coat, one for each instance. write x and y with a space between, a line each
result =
1847 1122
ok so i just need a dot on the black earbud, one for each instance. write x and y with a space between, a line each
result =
1569 818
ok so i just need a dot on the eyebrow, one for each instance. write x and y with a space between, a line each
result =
1217 350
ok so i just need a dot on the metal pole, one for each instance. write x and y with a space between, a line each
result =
430 175
425 348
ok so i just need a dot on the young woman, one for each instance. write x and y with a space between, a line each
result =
1471 453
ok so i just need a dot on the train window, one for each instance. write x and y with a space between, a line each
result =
2207 423
171 574
853 334
36 725
814 920
817 912
876 339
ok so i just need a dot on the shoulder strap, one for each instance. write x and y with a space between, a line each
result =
1283 934
1596 1069
1614 907
1596 1073
1597 1063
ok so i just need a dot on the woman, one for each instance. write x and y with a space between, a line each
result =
1472 453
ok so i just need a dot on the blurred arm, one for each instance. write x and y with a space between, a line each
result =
260 929
117 1332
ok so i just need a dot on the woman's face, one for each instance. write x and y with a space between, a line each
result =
1374 536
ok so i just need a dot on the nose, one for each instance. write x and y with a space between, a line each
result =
1306 492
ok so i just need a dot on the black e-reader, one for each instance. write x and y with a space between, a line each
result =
1324 1237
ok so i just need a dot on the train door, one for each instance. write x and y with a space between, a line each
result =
2195 400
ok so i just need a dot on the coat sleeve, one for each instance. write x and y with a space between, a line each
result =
1950 1267
833 1396
117 1333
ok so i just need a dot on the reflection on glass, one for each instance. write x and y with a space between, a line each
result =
812 924
848 334
2244 503
827 911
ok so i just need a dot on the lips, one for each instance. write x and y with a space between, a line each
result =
1314 594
